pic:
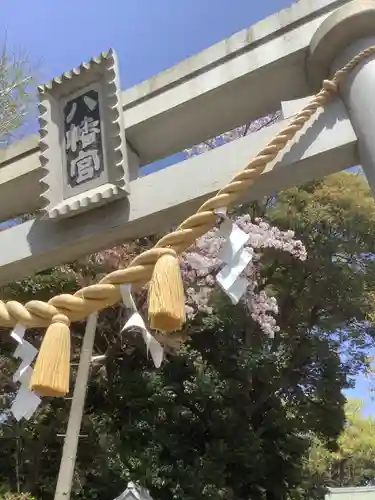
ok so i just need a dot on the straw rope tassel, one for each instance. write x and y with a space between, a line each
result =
52 368
166 298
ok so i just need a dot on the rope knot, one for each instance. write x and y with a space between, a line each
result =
169 251
60 318
330 86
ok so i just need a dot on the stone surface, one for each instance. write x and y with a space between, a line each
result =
20 175
357 91
327 145
82 139
226 85
347 24
342 36
234 81
351 493
195 99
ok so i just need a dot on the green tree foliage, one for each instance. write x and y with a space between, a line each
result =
353 464
234 413
334 293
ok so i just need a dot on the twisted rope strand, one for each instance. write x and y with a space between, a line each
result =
106 293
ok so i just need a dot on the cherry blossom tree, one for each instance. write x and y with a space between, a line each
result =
200 265
15 96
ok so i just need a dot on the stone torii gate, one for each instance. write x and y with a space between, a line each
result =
229 84
284 58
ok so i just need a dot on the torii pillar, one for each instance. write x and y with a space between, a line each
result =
343 34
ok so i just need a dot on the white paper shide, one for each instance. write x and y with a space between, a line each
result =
152 345
26 401
235 256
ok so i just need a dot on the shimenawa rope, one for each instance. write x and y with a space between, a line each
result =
106 293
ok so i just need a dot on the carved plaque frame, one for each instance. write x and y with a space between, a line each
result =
98 77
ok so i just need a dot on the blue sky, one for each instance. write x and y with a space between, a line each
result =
148 36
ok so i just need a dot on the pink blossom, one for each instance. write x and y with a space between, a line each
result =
200 265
